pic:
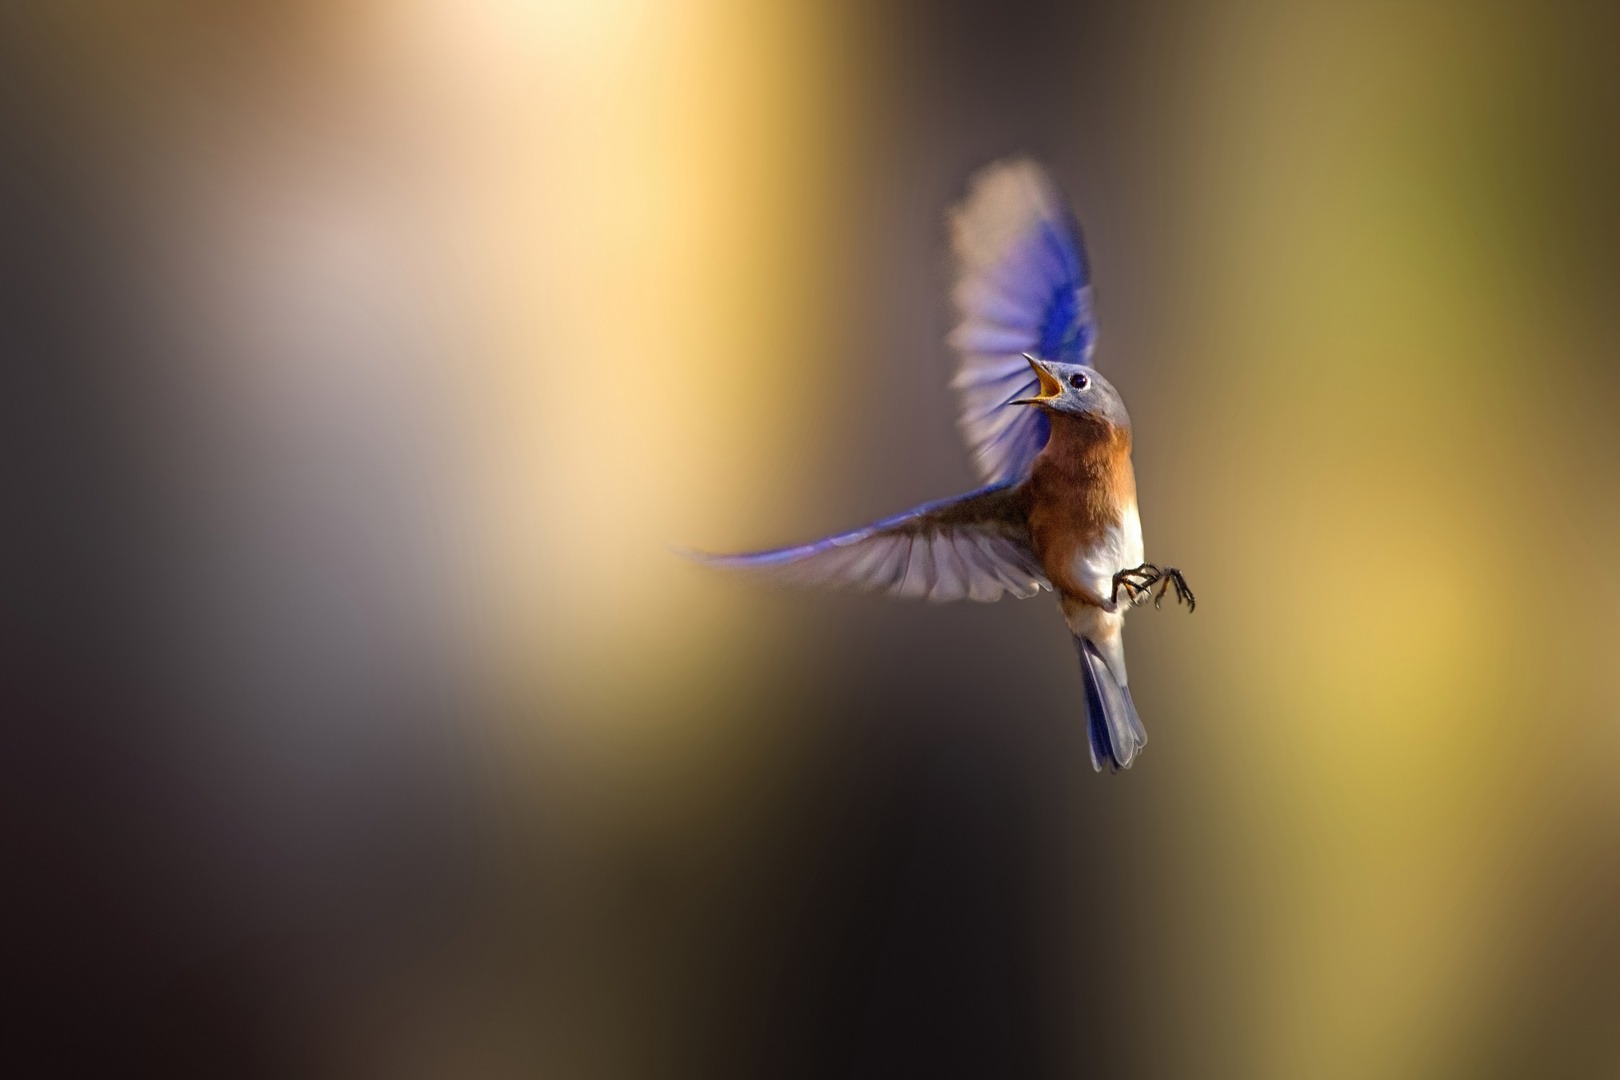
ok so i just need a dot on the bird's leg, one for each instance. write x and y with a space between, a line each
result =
1137 582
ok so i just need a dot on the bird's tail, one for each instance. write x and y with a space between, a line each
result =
1116 731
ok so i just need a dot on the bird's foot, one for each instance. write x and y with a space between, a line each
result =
1138 583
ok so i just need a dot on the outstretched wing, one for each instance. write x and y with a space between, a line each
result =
973 547
1022 285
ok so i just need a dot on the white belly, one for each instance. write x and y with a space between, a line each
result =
1120 548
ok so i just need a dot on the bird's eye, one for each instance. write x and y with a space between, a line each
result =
1079 381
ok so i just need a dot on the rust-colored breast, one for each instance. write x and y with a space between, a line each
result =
1079 488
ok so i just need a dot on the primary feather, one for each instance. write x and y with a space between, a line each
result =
1022 285
971 547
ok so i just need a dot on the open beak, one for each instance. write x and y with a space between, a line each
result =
1051 389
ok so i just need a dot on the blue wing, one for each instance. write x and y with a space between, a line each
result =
973 547
1022 285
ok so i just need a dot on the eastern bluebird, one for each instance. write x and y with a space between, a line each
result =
1051 440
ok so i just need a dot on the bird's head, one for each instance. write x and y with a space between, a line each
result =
1077 390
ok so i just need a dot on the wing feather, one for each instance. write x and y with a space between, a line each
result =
1023 285
973 547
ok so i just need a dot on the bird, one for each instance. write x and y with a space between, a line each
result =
1051 441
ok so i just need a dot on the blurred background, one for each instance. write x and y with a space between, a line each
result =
361 361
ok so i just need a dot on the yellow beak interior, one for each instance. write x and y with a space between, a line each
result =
1050 387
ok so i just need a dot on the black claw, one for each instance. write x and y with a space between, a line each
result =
1183 593
1138 582
1148 574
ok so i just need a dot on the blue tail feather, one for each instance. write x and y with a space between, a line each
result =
1115 731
